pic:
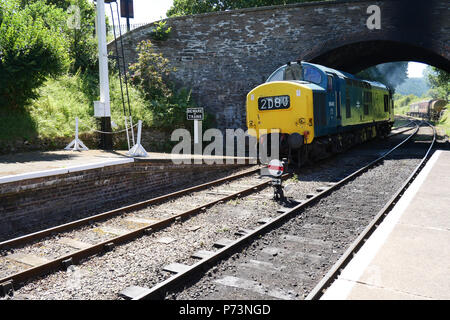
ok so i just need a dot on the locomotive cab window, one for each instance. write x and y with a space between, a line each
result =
311 74
330 83
277 75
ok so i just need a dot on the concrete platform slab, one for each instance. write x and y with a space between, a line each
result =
411 261
23 163
367 292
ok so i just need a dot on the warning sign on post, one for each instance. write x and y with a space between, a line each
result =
194 113
276 168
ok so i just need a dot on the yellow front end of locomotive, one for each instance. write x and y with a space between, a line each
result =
267 111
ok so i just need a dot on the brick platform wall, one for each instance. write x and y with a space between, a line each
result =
34 204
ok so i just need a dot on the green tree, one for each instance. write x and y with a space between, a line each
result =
151 75
79 31
439 81
187 7
31 49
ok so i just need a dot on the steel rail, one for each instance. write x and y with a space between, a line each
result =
403 125
335 270
404 130
8 244
159 290
77 256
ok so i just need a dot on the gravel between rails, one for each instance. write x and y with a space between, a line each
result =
140 262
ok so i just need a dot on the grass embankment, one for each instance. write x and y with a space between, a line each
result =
62 99
444 122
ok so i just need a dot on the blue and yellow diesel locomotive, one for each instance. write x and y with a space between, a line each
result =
316 111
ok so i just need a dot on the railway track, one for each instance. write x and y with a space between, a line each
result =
19 266
64 261
258 263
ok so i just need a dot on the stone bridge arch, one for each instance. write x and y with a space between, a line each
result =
223 55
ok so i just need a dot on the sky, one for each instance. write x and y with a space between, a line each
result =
146 11
415 69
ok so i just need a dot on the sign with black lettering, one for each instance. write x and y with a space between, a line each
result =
194 113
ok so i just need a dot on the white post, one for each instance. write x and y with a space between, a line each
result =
138 150
139 132
103 58
195 131
77 144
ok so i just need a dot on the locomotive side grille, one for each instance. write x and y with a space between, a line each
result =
320 112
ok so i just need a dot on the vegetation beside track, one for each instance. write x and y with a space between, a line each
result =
66 85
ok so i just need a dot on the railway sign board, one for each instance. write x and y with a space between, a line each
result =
276 168
126 9
194 113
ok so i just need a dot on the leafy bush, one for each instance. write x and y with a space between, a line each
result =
161 31
31 49
151 71
151 74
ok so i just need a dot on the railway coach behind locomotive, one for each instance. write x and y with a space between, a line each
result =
317 111
429 109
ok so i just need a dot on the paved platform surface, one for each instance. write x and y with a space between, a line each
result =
408 256
32 162
38 161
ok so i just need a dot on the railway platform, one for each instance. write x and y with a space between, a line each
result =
40 164
45 188
408 255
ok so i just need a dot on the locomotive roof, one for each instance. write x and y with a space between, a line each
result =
347 75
